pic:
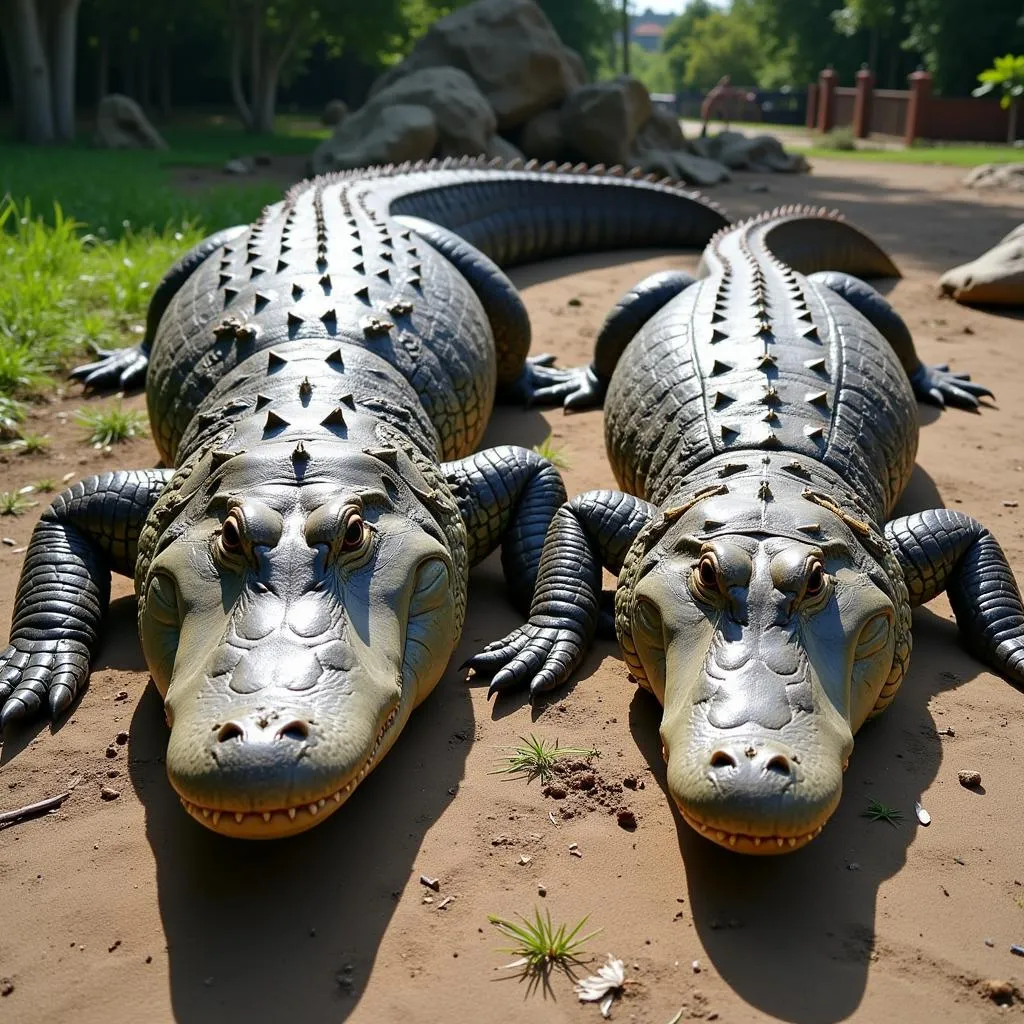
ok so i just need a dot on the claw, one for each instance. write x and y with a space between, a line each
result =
14 712
61 696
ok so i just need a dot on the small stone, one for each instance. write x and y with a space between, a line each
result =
430 883
990 943
121 738
121 695
107 793
542 890
626 819
574 302
6 986
10 541
149 959
111 751
110 949
1001 992
555 792
524 859
630 782
969 779
575 853
113 773
695 967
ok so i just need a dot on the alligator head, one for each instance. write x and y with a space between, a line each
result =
292 623
768 631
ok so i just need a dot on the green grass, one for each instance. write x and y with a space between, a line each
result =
14 503
47 485
111 425
536 758
29 444
538 945
953 156
547 450
877 811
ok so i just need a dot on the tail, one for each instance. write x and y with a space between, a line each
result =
523 213
810 239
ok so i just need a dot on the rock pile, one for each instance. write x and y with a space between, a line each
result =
493 78
996 176
121 124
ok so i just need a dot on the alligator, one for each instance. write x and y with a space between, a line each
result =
319 380
760 419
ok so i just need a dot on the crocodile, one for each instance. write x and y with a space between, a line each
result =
760 419
320 381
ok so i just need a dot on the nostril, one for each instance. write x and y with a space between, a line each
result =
297 730
721 759
780 765
230 731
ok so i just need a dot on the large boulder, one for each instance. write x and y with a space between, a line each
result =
996 276
508 47
601 121
576 66
121 124
465 121
662 131
542 137
387 136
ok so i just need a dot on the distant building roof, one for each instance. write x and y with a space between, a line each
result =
648 28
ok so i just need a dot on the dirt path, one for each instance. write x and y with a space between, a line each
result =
124 910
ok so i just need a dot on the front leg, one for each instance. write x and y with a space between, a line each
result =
945 550
88 531
593 530
932 384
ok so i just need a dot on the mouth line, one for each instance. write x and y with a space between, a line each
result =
747 841
288 816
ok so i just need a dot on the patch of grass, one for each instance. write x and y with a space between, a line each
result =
953 156
12 412
47 485
837 139
111 425
30 444
14 503
536 758
877 811
547 450
539 945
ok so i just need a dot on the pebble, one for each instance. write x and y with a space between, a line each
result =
111 751
121 738
990 943
1010 504
121 695
109 794
542 890
574 302
10 541
6 986
110 949
1017 950
969 779
524 859
431 883
695 967
998 991
626 819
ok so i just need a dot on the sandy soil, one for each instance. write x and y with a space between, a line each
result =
126 910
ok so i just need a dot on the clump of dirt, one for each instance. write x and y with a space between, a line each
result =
1002 993
581 789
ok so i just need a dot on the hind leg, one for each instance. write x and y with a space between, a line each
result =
932 384
125 368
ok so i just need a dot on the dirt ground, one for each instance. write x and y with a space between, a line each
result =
125 910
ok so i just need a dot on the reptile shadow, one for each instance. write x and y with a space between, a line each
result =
794 935
261 931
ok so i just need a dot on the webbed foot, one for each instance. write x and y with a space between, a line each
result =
543 383
937 386
121 369
37 676
541 655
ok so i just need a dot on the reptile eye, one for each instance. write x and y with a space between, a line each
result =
230 538
355 535
815 580
707 573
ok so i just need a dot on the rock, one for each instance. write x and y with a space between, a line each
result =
996 276
508 47
121 124
121 738
555 791
601 121
391 135
334 113
969 779
6 986
238 166
662 131
999 991
465 121
107 793
626 820
576 66
263 159
1009 176
497 146
542 138
694 170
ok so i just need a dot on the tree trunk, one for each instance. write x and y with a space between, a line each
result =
37 103
16 78
62 67
625 37
237 86
265 103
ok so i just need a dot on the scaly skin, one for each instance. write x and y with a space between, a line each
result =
767 419
318 379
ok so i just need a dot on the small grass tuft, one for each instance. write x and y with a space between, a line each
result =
14 503
112 425
838 139
536 758
12 413
47 485
547 450
30 444
539 945
877 811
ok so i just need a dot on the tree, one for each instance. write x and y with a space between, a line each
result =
876 17
1006 75
40 45
587 26
673 42
722 44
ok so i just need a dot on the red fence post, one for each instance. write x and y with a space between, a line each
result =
812 106
826 99
920 92
862 103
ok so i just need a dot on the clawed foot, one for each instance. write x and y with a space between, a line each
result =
937 386
540 656
543 383
121 369
38 675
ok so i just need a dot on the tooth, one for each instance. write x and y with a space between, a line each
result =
337 797
321 802
780 841
291 813
703 828
313 809
216 817
720 836
239 816
206 812
732 840
757 840
266 816
792 841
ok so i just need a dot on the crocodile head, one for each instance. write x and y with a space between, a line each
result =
768 632
292 623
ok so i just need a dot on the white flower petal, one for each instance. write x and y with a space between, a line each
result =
602 986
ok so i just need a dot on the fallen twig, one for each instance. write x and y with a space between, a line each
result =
32 810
